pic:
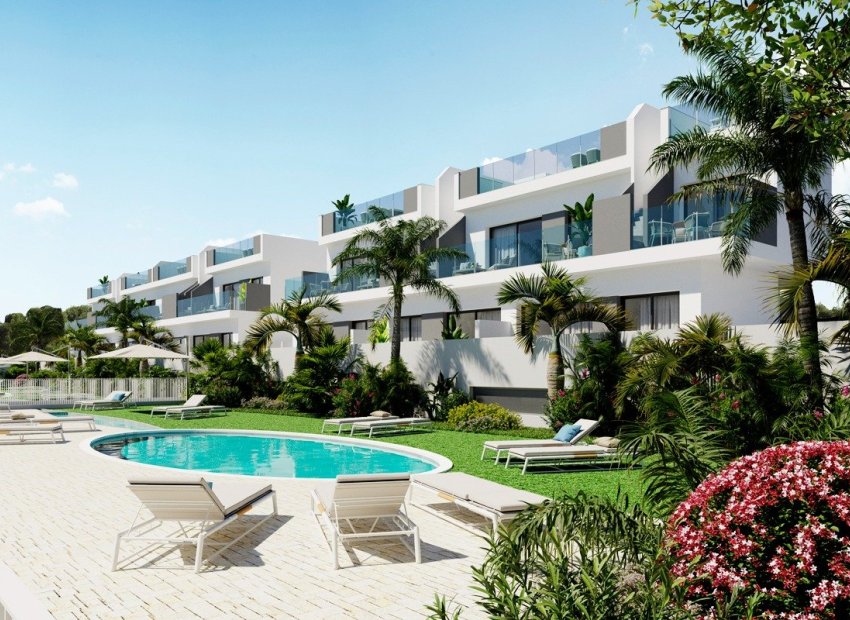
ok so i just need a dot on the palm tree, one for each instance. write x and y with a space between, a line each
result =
560 301
297 315
37 328
146 331
85 341
734 162
399 253
123 315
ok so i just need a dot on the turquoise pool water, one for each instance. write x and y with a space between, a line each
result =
104 420
258 455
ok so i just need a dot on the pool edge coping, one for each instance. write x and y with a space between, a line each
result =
442 463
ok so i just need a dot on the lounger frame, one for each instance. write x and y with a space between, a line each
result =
543 443
27 429
196 533
391 425
107 404
340 422
590 457
494 517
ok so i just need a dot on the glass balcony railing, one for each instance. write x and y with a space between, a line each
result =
100 289
210 303
317 283
233 251
679 222
136 279
358 215
169 269
155 312
682 119
533 164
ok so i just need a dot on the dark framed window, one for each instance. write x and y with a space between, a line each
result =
224 338
650 312
520 243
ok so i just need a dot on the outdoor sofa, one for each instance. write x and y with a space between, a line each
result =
198 510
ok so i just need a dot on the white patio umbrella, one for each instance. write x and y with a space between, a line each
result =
145 351
32 356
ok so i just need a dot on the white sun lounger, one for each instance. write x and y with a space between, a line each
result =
22 431
186 408
586 453
496 502
587 427
384 424
364 506
112 400
198 509
193 401
35 416
340 422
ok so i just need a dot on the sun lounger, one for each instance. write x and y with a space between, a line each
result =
193 401
22 431
375 425
340 422
496 502
116 398
191 406
193 501
35 416
585 453
587 427
365 506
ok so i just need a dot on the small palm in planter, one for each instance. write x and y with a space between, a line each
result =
345 215
580 223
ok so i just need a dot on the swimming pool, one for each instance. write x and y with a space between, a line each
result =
104 420
281 455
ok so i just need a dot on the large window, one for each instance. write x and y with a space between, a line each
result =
411 327
650 312
225 339
516 244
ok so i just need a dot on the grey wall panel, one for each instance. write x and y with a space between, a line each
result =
169 306
327 223
432 326
209 257
153 274
454 236
662 190
612 224
521 400
257 244
768 235
411 204
613 140
341 330
257 296
466 321
468 185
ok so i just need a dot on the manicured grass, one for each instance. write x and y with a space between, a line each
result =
464 450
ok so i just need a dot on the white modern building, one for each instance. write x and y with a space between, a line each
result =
216 293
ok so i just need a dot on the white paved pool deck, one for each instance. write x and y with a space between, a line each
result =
62 507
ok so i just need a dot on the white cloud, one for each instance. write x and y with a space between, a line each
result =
41 209
626 31
64 180
13 168
646 49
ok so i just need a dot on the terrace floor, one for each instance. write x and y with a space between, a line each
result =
63 506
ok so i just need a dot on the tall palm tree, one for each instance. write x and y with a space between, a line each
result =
146 331
123 315
560 301
735 162
399 253
85 341
37 328
297 315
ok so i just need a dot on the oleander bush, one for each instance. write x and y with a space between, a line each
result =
269 404
477 417
769 535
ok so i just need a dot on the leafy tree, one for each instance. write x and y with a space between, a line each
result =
399 253
799 45
560 301
39 327
733 163
296 315
76 313
123 315
85 341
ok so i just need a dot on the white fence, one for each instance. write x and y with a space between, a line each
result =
63 392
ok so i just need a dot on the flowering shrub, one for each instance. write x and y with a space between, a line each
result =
563 409
475 417
774 527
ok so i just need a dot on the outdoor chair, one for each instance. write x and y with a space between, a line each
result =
365 506
197 508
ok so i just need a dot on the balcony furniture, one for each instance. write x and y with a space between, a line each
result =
568 250
389 424
464 268
578 160
594 156
696 225
199 511
339 423
679 232
505 261
552 252
586 427
717 228
660 233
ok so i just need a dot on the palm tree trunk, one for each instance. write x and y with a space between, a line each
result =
395 351
554 373
806 312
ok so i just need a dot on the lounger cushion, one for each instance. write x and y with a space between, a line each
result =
19 415
117 397
234 496
492 495
606 442
567 433
380 414
584 451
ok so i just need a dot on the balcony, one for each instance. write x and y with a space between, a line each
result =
234 251
99 290
212 302
358 215
136 279
169 269
155 312
679 222
317 283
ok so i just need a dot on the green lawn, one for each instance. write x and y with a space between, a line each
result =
464 450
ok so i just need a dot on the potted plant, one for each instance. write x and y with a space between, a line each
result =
580 226
345 215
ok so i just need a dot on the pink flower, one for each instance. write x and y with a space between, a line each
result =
561 393
717 378
584 374
818 414
736 404
845 390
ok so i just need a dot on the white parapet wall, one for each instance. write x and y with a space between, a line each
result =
17 602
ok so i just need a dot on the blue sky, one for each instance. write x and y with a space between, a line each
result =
137 132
